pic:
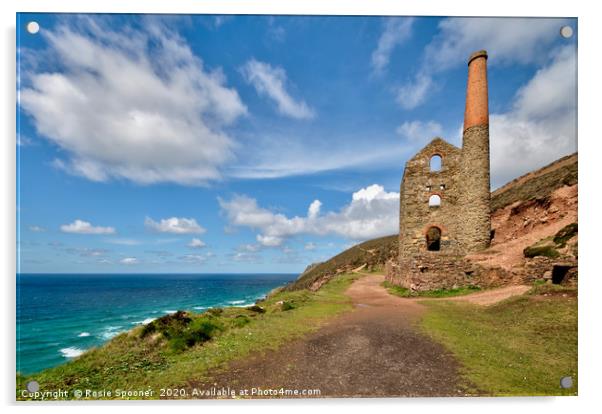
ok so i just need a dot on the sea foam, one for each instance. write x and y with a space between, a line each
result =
72 352
111 331
144 322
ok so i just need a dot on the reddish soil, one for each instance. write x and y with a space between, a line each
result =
524 223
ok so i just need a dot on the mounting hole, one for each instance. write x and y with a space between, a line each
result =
33 386
566 382
33 27
566 31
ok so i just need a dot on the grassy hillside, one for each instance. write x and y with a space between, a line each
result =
375 253
537 184
372 253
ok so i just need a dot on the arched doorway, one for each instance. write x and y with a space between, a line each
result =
433 239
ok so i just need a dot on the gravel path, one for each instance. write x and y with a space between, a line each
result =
373 351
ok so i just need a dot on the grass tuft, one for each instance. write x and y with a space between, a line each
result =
565 234
435 293
545 250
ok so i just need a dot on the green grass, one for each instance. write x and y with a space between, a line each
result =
172 353
521 346
541 250
372 253
548 247
565 234
436 293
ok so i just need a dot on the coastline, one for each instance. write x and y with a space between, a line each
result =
48 337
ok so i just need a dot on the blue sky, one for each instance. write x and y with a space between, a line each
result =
258 143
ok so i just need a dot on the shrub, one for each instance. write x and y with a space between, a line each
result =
542 250
241 320
168 325
199 330
565 234
256 309
177 344
286 305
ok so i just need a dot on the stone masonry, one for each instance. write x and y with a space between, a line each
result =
445 212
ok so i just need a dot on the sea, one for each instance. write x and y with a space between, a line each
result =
60 316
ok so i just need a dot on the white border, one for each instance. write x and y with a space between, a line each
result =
589 154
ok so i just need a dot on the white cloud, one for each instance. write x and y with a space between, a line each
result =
195 258
271 82
176 225
84 227
129 261
414 93
124 242
397 30
196 243
219 21
87 252
246 257
314 209
542 125
37 229
509 41
275 32
250 247
285 155
372 212
418 131
310 246
269 241
136 105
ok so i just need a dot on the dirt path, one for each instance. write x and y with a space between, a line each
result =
373 351
489 297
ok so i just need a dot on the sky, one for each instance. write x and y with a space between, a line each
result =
249 144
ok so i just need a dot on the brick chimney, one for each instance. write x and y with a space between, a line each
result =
475 157
477 108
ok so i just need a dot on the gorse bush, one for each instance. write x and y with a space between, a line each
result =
182 330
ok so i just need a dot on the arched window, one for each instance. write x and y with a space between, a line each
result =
433 239
434 201
436 163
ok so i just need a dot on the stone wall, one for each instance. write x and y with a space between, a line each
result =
430 271
418 185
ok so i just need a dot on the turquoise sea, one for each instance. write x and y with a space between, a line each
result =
59 316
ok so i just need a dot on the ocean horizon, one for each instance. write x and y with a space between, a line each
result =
61 315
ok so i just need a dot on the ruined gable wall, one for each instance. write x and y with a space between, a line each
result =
415 214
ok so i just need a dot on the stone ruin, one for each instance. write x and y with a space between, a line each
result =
445 194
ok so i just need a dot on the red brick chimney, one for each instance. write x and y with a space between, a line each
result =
477 109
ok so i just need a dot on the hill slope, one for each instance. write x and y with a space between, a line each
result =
373 254
370 255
